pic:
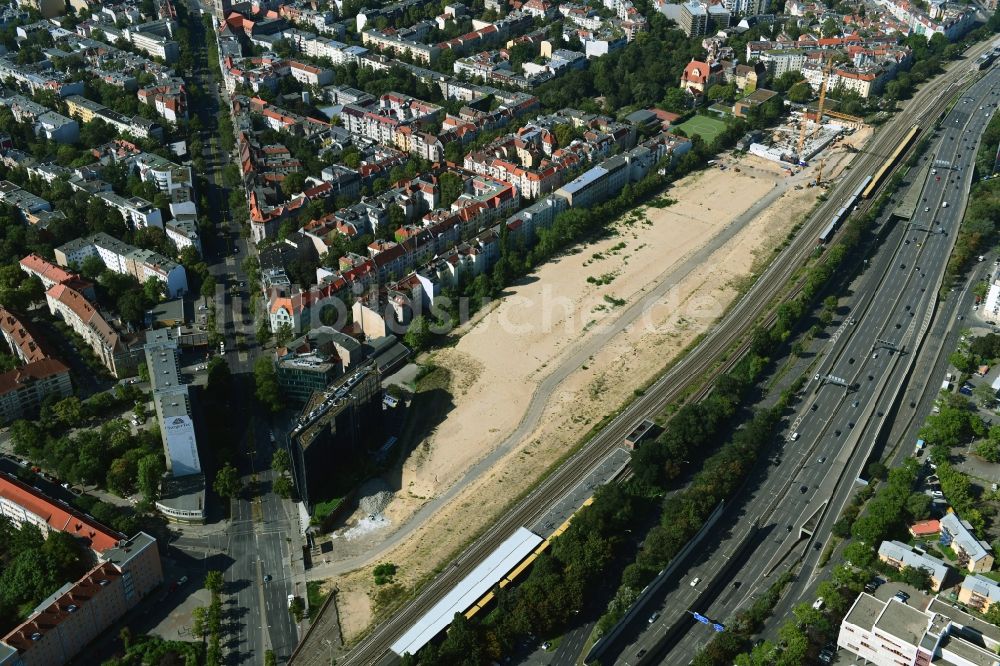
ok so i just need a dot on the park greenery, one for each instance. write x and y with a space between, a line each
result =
70 440
149 649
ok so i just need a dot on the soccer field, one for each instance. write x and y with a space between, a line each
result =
705 127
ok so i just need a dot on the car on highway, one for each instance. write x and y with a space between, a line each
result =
695 581
803 489
821 460
267 578
794 436
654 617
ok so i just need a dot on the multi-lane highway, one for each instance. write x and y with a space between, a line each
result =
698 364
830 438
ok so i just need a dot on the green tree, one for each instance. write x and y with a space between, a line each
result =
282 487
280 461
69 411
199 621
916 577
297 608
985 396
800 93
214 581
293 184
284 334
150 472
227 482
266 382
451 186
208 286
418 335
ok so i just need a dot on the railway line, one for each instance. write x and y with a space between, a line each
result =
696 370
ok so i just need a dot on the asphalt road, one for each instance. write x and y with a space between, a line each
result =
892 301
256 540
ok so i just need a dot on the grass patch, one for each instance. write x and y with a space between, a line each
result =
316 596
324 509
705 127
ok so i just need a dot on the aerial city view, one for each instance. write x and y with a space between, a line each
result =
581 333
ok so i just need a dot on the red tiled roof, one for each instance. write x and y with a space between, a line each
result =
18 334
57 516
49 617
35 370
925 528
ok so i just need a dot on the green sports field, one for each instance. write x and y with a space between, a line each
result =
705 127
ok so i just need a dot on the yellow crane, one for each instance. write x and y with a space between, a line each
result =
819 173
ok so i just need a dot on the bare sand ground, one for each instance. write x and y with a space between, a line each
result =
505 353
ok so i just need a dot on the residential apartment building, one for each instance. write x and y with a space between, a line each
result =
24 344
899 555
46 122
155 39
123 258
596 184
24 201
87 111
979 592
383 121
51 275
112 350
21 503
24 389
183 491
136 211
921 632
169 99
335 428
62 626
973 554
37 78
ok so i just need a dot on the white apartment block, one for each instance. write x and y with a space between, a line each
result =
922 631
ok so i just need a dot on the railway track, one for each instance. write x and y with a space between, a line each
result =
696 370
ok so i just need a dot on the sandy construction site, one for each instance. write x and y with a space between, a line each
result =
569 345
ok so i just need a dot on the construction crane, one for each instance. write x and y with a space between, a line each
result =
819 172
802 137
822 92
